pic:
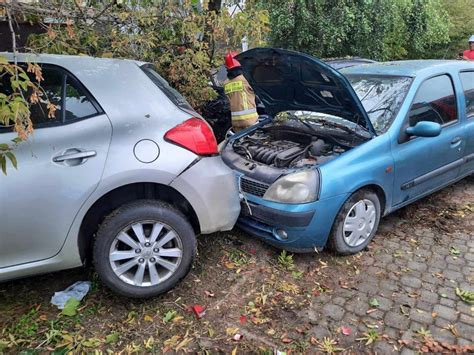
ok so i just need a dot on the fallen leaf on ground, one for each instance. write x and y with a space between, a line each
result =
183 343
466 296
70 308
405 309
454 251
374 302
346 330
230 265
231 331
112 338
243 319
271 331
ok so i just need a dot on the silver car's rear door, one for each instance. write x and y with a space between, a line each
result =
58 168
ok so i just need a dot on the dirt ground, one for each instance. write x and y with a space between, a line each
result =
397 296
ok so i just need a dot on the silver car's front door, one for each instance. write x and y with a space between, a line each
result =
58 168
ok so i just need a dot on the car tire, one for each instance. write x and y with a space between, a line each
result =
356 223
144 249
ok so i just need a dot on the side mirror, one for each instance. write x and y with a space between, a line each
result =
424 129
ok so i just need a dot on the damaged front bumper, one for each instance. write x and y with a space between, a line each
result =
296 228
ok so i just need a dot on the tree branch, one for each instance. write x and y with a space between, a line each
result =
12 31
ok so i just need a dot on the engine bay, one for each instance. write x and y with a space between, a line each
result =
282 148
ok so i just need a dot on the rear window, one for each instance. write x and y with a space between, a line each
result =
163 85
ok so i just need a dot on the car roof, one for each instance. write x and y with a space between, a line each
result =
408 67
68 61
340 63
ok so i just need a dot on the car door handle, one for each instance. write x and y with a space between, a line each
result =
76 155
456 140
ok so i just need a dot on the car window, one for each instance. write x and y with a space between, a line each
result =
381 96
434 101
77 104
51 89
163 85
467 80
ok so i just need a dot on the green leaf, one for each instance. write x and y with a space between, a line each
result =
169 316
24 76
297 274
70 308
3 164
454 250
374 303
466 296
91 343
112 338
12 159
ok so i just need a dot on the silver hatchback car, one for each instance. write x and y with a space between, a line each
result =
125 174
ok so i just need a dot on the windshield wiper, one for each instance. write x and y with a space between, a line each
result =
388 108
335 125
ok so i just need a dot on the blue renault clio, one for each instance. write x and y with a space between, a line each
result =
339 150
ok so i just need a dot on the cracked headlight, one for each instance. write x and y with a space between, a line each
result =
300 187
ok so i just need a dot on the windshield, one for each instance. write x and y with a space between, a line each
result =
381 96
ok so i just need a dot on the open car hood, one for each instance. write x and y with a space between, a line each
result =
285 81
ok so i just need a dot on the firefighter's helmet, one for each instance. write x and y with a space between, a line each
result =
231 62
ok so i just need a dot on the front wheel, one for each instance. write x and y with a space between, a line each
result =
144 249
356 223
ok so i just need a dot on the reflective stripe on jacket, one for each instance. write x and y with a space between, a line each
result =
242 101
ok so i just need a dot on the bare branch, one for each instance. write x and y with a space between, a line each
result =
12 31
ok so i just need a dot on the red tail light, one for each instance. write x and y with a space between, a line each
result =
194 135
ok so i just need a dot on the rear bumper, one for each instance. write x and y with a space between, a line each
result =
211 189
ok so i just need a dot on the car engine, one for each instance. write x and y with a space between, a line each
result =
284 149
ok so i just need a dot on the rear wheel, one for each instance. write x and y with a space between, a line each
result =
144 249
356 223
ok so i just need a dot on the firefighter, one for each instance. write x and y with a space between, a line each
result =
240 95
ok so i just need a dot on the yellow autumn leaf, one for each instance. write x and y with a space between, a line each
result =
231 331
173 341
183 344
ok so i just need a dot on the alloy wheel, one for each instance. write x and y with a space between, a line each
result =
146 253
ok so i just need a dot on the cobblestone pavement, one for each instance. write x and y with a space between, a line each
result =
414 268
398 296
